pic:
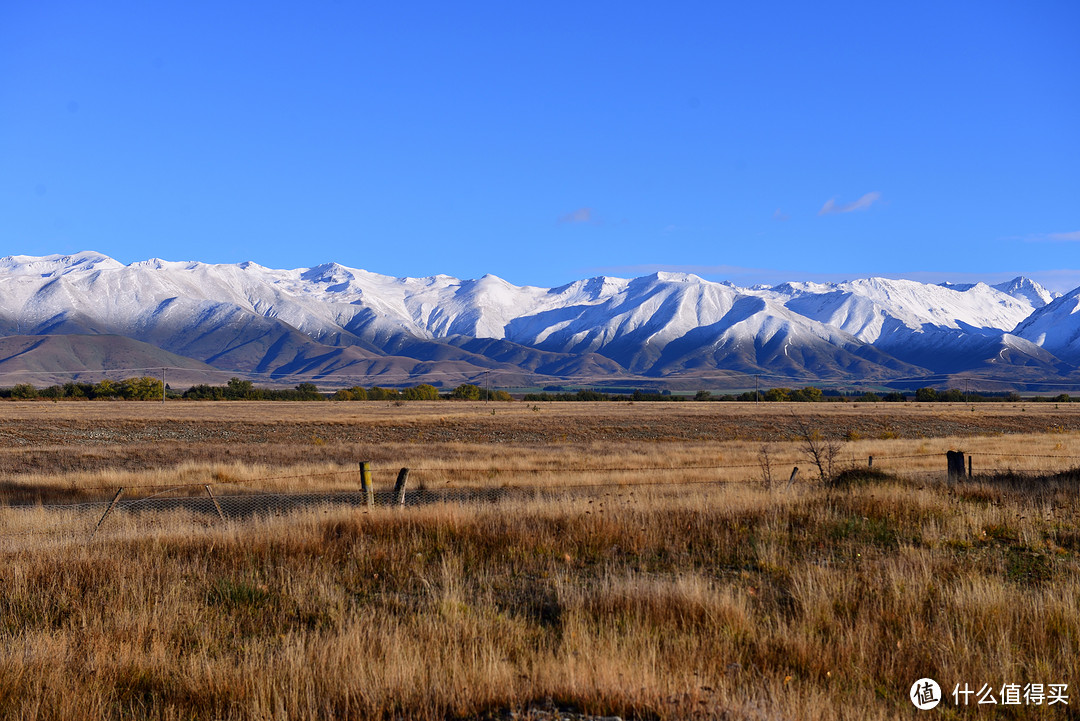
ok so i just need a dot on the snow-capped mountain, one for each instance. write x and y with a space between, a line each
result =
334 320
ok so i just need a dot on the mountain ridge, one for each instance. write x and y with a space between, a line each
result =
340 323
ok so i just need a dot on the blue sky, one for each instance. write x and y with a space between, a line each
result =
756 142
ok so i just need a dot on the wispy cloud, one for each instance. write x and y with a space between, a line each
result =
1073 236
831 207
581 215
781 215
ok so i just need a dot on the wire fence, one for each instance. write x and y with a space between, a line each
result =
135 510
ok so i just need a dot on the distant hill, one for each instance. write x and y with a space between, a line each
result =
44 360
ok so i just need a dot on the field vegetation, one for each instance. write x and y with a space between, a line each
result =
678 576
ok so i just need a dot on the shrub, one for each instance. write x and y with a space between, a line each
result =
849 477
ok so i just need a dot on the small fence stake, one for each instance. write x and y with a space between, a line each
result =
794 472
956 465
365 482
870 462
107 512
216 504
969 466
399 487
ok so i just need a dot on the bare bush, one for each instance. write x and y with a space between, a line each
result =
823 452
765 460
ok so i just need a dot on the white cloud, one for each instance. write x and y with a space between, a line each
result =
581 215
781 215
1074 236
831 207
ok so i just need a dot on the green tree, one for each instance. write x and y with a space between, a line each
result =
777 394
807 395
926 395
23 391
422 392
239 390
78 390
489 395
54 393
466 391
375 393
105 389
144 388
309 392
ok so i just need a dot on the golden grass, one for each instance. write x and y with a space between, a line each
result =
724 600
680 600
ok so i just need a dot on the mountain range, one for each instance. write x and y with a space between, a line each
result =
71 316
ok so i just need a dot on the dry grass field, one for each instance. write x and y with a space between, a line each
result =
681 585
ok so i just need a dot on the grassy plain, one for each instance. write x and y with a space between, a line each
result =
686 598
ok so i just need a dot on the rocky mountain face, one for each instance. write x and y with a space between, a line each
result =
353 326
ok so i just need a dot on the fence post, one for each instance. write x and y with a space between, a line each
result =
107 511
365 482
216 504
969 466
794 472
399 487
870 462
956 465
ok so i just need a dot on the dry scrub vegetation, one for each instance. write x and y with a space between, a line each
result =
669 601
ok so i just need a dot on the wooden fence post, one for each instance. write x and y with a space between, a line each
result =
107 511
870 462
216 504
399 487
365 482
956 465
794 472
969 466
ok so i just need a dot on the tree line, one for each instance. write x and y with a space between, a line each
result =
145 388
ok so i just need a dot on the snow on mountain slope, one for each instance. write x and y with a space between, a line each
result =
880 309
1056 327
249 316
